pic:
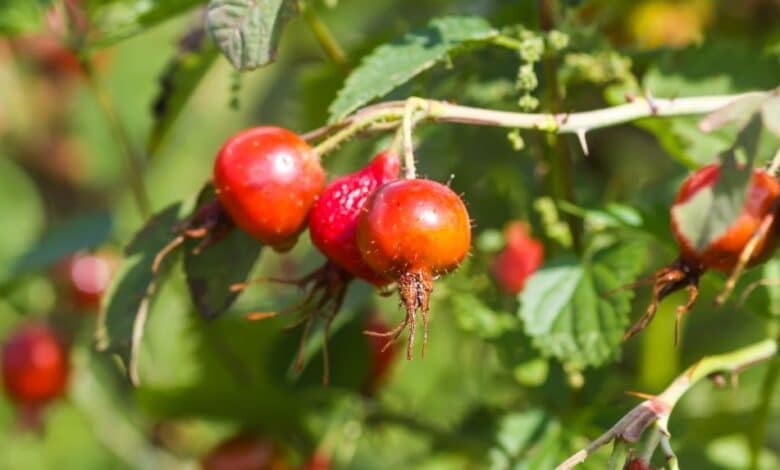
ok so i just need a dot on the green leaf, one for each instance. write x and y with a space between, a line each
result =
211 272
707 215
115 20
570 311
126 306
737 111
394 64
697 71
474 316
22 209
248 31
771 113
83 232
22 16
181 77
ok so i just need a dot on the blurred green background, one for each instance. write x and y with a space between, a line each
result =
484 396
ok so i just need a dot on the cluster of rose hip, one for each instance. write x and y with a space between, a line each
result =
371 224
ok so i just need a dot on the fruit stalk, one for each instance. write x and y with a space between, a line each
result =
323 34
115 123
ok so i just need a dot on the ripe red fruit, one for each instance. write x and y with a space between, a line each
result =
334 218
410 231
381 354
267 179
34 366
245 452
519 259
88 278
723 254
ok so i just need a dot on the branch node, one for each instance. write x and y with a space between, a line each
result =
651 103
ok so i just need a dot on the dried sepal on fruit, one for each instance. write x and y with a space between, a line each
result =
332 226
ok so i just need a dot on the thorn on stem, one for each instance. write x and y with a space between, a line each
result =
583 141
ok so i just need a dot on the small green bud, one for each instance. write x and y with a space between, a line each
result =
557 40
526 78
531 49
528 102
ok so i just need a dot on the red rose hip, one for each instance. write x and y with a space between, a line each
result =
723 254
411 231
519 259
334 218
34 365
267 179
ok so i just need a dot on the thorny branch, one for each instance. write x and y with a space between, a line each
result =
390 114
656 410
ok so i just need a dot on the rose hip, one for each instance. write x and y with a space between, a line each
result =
412 231
267 179
334 218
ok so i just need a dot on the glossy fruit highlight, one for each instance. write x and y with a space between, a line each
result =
334 218
411 231
267 179
34 365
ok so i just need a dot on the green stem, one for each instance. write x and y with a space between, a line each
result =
660 407
651 444
324 36
619 453
559 157
671 457
354 127
115 123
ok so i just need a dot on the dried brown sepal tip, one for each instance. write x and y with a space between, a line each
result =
324 291
681 274
210 223
415 289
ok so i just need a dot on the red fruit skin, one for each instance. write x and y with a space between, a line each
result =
381 358
333 220
244 452
34 366
637 464
414 225
50 54
267 179
723 253
519 259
